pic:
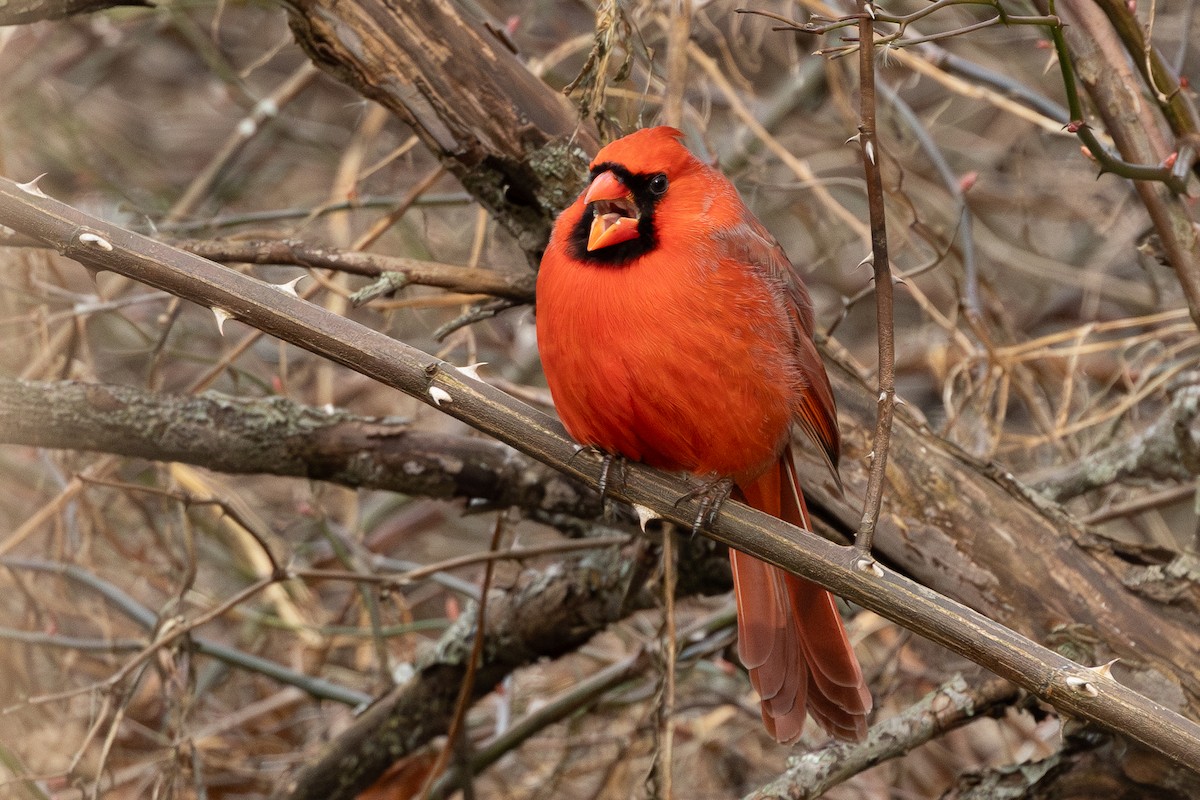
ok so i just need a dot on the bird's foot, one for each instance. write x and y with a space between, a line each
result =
712 495
611 465
607 463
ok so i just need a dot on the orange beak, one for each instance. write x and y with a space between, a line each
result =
616 214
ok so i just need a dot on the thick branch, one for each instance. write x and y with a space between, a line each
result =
278 436
1074 689
515 145
1176 102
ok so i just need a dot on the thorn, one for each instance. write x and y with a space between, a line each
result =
440 395
1105 670
882 396
472 370
870 10
221 315
644 515
33 188
871 456
96 240
290 286
900 401
868 259
855 138
1082 686
868 564
266 108
869 151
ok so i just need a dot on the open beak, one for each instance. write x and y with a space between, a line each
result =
616 213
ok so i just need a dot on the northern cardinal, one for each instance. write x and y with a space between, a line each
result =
674 331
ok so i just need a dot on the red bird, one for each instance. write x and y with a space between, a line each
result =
674 331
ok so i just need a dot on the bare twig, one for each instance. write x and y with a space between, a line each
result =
249 127
514 284
1100 62
678 33
1142 503
22 12
592 690
190 499
381 225
149 620
661 779
798 167
1177 104
466 689
953 185
551 614
883 283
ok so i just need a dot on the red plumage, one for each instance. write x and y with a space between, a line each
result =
674 331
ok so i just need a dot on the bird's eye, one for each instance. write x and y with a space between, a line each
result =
658 185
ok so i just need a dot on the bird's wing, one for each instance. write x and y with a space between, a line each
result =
815 411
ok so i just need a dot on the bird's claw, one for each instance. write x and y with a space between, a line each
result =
607 461
606 466
712 495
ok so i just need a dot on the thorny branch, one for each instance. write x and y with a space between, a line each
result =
1174 174
885 322
510 284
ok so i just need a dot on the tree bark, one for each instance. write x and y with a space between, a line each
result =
518 147
278 436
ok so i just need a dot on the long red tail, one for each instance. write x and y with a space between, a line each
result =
790 635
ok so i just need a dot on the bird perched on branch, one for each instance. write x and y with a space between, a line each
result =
674 331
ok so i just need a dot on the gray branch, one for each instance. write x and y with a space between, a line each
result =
1167 449
278 436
